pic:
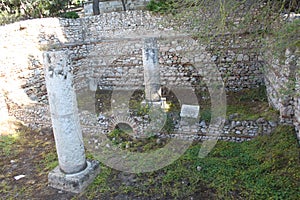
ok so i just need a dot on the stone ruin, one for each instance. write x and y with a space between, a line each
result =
74 172
121 51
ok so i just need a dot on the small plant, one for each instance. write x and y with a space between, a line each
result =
139 108
120 135
116 136
70 15
169 125
143 109
205 114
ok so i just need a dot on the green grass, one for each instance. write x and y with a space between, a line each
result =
50 160
265 168
261 110
251 104
247 104
6 142
101 180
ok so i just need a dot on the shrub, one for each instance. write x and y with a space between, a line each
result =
70 15
160 6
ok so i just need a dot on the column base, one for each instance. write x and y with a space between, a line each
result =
75 183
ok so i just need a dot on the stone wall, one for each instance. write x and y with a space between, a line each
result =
106 52
282 81
99 45
106 6
119 64
233 130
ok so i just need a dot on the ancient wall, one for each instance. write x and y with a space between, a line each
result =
119 64
106 6
106 51
282 80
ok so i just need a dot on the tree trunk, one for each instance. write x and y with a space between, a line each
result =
124 5
96 10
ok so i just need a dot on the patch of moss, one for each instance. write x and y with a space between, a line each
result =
251 104
247 104
160 6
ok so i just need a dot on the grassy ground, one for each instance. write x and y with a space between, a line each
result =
265 168
247 104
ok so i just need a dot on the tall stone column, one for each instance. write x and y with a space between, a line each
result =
73 167
151 70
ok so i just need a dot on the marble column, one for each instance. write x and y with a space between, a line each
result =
66 125
151 70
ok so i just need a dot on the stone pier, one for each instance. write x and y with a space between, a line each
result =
74 172
151 70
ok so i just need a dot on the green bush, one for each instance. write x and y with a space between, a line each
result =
71 15
160 6
7 18
13 10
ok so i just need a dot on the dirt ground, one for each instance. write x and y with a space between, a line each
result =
26 156
32 153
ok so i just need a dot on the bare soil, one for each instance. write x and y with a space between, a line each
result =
27 157
33 154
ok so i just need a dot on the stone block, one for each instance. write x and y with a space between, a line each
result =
190 111
75 183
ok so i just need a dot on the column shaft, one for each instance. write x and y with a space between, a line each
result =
151 70
64 112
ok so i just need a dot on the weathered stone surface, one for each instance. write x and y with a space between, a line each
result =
151 70
74 182
74 173
190 111
282 82
64 114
